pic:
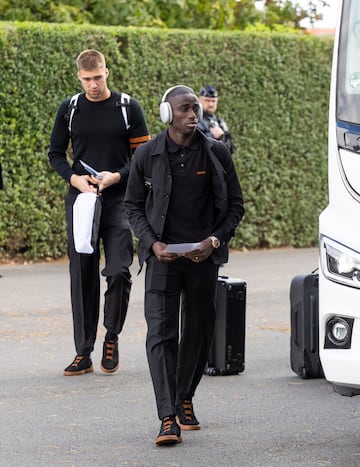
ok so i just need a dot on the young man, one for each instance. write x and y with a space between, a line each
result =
99 138
182 188
211 125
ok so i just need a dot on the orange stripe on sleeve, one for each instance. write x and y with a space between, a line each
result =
135 142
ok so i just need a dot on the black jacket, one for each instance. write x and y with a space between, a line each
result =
149 187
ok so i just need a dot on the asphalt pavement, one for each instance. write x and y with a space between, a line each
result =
265 416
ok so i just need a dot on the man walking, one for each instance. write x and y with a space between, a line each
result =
99 136
183 189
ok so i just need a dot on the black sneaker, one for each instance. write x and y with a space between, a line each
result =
185 416
82 364
110 358
170 432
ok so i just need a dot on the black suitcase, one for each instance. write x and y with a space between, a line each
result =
304 317
227 353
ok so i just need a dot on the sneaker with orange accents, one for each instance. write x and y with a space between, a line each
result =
170 432
185 416
82 364
110 358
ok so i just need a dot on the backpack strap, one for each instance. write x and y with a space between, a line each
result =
72 109
125 104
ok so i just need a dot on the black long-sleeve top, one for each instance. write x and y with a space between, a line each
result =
98 137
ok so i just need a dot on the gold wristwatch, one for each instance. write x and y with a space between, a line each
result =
215 242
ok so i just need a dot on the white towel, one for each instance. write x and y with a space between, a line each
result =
86 219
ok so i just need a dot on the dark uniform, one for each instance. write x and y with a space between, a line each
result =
208 121
211 120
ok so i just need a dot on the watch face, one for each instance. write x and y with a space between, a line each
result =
215 242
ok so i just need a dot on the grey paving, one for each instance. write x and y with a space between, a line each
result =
266 416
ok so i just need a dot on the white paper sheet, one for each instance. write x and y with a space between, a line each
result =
182 247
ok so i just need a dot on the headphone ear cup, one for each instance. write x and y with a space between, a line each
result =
201 111
165 112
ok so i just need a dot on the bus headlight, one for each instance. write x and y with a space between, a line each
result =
340 263
338 332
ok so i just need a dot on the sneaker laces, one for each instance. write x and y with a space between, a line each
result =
77 360
109 350
188 410
167 423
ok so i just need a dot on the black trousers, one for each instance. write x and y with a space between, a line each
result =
177 362
117 241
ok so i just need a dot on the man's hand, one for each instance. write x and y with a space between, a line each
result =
83 183
159 249
216 132
203 252
108 179
86 183
200 254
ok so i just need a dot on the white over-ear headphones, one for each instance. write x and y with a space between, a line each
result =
166 114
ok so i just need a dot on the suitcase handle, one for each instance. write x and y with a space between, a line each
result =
296 327
313 317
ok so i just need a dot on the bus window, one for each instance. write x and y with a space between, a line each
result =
353 54
348 98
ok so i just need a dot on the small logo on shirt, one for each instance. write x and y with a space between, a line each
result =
201 172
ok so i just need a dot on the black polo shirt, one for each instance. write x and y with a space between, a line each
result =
190 214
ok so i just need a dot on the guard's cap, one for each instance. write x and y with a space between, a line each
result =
208 91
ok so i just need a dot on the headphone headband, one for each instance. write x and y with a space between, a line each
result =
168 91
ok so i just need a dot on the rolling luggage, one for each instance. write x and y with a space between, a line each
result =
227 353
304 317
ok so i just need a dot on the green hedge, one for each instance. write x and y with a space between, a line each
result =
273 94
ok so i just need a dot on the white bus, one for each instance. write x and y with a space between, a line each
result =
339 223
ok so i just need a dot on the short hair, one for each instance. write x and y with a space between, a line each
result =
89 59
208 91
